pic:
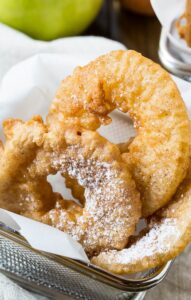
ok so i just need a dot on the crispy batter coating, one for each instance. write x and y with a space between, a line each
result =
158 156
168 233
76 189
124 147
16 193
112 205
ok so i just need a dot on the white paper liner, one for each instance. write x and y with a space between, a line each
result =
44 237
27 89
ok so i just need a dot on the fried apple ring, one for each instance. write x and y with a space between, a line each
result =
76 189
112 204
158 156
168 233
17 195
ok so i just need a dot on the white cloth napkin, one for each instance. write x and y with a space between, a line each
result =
11 291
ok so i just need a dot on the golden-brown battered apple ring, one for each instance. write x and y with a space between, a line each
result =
76 189
168 233
17 193
112 205
159 154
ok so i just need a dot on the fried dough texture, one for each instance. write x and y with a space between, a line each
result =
112 204
168 233
76 189
158 157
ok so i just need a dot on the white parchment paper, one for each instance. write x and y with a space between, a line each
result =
28 82
44 237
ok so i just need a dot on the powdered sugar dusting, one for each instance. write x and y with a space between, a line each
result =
160 239
107 215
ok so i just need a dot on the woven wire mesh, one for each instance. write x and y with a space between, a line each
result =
40 271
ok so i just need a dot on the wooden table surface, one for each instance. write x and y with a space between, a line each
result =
142 34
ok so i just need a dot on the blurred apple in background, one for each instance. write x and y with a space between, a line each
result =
139 6
49 19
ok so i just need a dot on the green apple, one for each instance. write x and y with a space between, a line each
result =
49 19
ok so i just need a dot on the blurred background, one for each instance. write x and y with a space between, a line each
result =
131 22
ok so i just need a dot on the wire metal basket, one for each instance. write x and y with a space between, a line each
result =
63 278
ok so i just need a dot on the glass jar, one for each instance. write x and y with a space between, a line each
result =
174 57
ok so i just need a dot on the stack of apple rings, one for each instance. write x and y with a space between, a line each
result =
112 183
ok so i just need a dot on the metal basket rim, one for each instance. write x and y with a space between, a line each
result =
119 282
